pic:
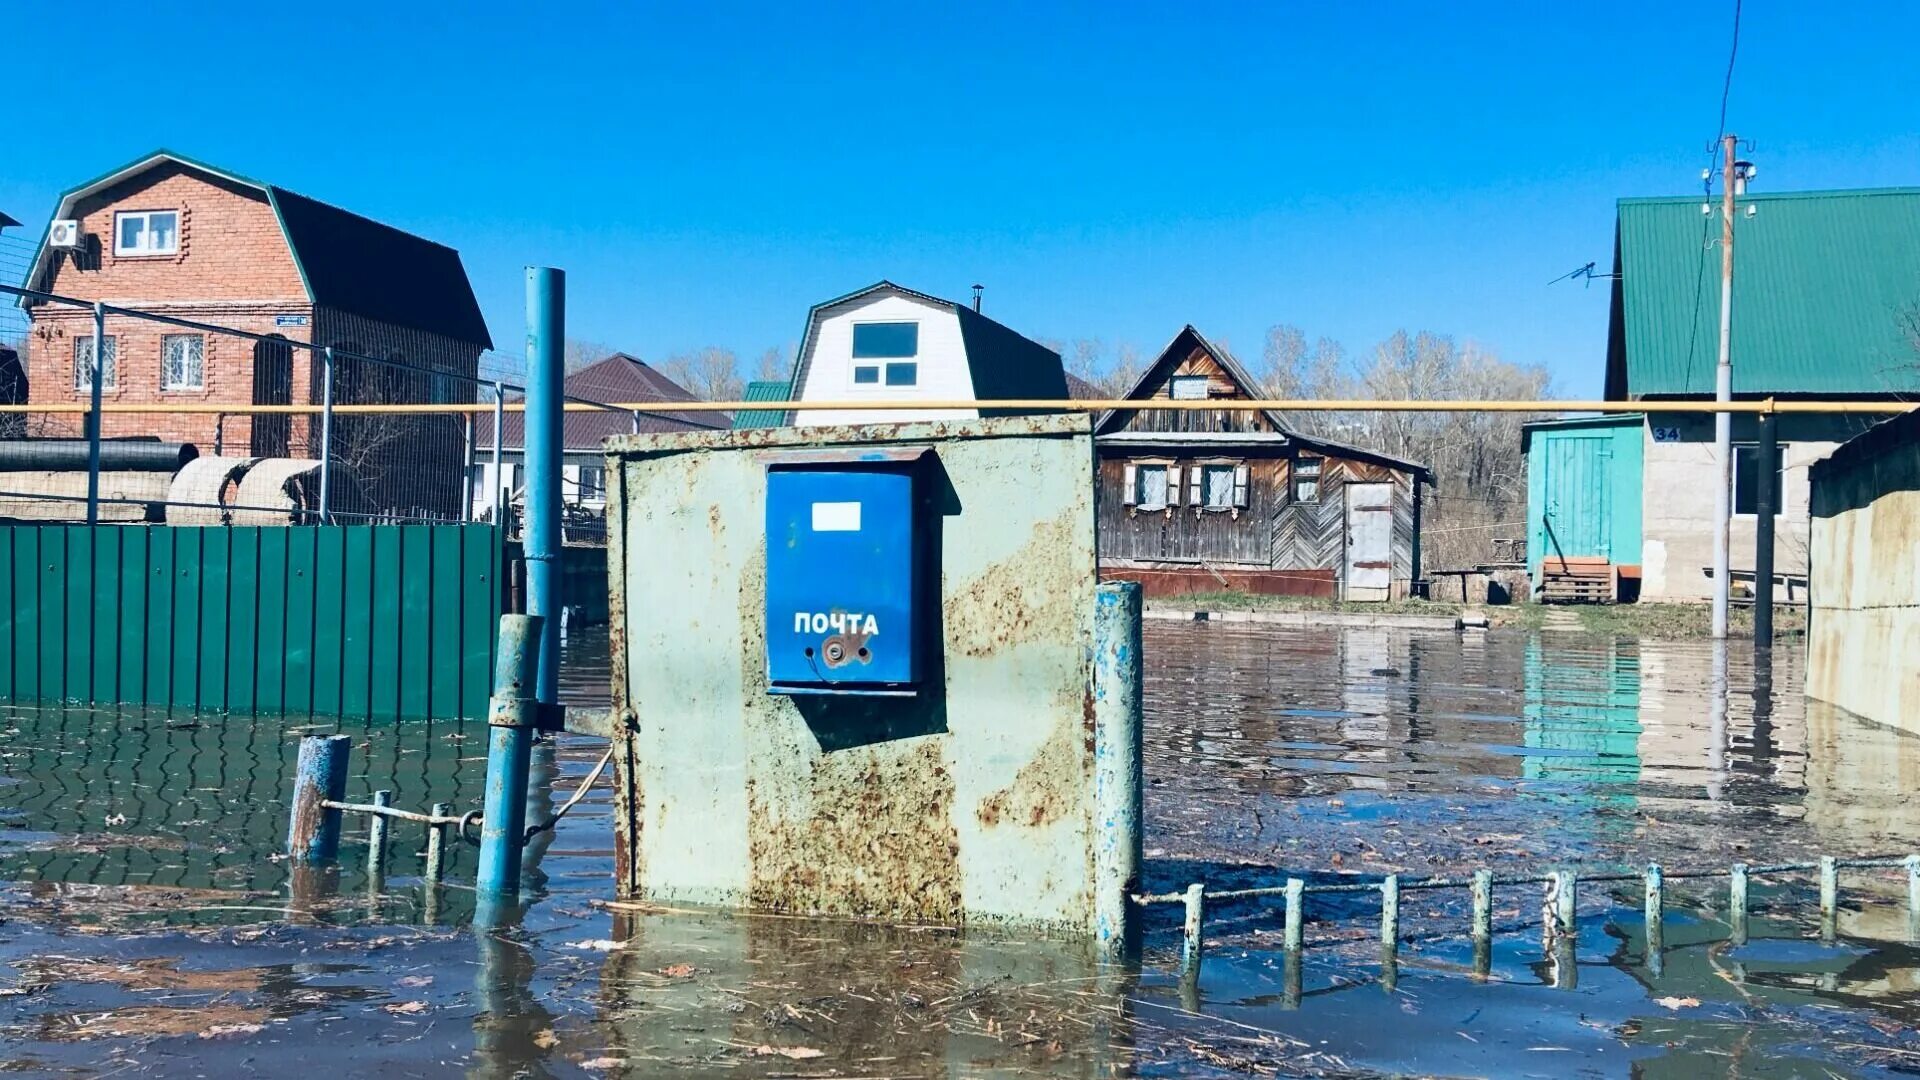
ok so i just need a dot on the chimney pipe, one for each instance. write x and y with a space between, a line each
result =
976 298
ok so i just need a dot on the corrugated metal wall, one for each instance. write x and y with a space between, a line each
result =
378 621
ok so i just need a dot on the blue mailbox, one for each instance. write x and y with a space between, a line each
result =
844 565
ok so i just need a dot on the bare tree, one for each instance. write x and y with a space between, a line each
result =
710 373
774 366
580 353
1125 371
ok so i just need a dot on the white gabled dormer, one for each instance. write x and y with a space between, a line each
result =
888 343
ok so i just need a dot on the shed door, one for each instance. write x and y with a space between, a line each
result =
1369 569
1579 488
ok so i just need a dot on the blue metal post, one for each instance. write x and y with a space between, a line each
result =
546 370
1117 752
510 726
313 834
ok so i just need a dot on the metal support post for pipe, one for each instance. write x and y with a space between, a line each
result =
326 433
1390 911
1737 904
1117 764
320 775
1829 898
1191 942
437 845
510 724
95 420
1296 898
1656 906
499 496
377 841
1481 931
546 396
1765 497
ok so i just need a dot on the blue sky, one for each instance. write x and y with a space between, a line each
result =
1108 171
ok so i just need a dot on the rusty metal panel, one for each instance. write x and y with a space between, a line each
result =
969 804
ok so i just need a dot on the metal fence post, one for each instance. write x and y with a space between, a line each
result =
499 479
466 470
1737 903
326 432
510 726
1296 900
313 833
1117 753
377 841
1767 460
1191 942
1655 913
96 421
1829 898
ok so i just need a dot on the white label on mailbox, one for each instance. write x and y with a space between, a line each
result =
836 517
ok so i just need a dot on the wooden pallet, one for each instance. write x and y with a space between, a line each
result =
1578 580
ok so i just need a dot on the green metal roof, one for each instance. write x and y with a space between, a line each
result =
772 390
1821 280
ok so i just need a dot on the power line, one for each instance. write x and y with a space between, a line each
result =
1706 220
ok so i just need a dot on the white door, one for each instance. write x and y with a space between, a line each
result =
1369 567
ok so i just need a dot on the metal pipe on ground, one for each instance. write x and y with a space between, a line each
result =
76 455
1117 762
320 774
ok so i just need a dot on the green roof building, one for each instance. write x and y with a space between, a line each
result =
762 390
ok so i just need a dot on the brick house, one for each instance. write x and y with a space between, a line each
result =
175 237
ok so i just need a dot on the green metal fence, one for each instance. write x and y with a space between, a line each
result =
382 621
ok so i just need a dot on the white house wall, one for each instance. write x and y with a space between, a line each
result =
943 374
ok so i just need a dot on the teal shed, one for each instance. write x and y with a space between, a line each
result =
1583 494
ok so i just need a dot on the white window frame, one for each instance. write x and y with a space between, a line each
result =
590 493
166 364
123 252
1177 380
1294 477
1201 494
109 364
1170 485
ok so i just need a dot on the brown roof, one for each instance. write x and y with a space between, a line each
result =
1079 389
618 378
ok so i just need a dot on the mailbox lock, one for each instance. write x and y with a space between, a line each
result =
836 652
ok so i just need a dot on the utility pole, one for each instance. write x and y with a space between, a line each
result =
1723 393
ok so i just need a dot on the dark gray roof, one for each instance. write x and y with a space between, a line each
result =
618 378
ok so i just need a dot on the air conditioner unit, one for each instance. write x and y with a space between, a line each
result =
63 233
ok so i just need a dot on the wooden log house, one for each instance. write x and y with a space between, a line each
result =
1234 501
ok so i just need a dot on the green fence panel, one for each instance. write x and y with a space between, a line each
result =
52 567
243 616
270 639
302 545
357 586
366 620
188 569
418 580
443 649
130 684
81 611
333 600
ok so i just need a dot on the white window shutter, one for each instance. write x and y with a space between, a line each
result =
1196 486
1240 486
1172 475
1132 489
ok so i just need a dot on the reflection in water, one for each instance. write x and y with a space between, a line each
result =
1270 752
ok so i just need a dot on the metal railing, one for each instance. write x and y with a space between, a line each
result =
1559 907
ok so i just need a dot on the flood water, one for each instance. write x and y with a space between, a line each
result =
147 926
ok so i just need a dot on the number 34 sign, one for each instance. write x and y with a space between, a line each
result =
1665 434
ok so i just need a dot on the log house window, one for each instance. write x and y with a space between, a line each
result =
1152 485
1306 480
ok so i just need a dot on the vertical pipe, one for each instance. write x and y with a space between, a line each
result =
437 845
1723 392
1296 897
96 421
499 479
326 433
1482 905
510 716
546 333
377 841
1737 903
1829 897
1190 943
1767 461
1656 906
1913 896
1390 912
313 834
466 470
1117 754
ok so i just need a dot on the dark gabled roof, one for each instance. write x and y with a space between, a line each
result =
1821 280
7 222
1182 346
618 378
1079 389
762 390
1178 349
345 261
1004 363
